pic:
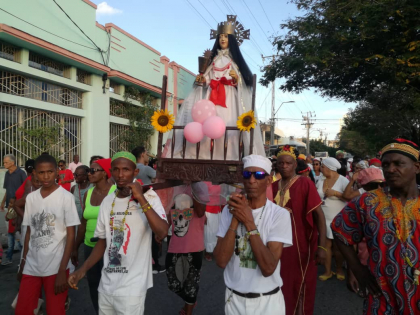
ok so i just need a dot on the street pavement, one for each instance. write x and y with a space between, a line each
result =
332 296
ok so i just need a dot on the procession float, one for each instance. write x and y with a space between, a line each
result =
215 126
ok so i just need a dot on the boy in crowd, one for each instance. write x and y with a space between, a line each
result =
50 217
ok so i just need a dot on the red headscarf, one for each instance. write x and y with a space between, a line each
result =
106 165
371 161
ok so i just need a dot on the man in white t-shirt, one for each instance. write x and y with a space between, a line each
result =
251 237
50 218
124 230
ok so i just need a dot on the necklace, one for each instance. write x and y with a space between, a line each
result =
111 215
404 233
244 247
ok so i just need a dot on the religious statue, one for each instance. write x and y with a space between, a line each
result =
227 82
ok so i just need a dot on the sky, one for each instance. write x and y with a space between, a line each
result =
180 30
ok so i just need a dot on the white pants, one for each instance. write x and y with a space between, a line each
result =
121 305
210 231
265 305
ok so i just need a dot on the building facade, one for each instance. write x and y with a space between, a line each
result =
64 77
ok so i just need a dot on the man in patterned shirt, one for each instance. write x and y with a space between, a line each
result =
389 220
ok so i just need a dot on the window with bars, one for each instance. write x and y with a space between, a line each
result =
48 65
9 52
12 83
114 87
118 109
26 133
117 134
83 77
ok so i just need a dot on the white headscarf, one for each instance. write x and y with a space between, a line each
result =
331 163
255 160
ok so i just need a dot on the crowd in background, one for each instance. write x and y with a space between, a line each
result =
320 195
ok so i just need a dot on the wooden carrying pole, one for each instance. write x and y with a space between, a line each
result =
251 140
162 106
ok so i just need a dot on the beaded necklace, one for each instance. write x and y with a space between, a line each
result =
111 215
399 231
243 248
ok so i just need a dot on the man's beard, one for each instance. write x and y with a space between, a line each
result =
124 191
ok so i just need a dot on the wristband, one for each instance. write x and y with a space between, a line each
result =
232 230
146 207
323 248
253 232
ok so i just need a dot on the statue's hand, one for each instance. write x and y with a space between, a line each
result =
234 75
200 78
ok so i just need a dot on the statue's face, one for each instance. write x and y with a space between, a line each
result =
224 41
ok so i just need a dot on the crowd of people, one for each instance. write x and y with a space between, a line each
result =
293 213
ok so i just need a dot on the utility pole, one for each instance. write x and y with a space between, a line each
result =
308 122
326 141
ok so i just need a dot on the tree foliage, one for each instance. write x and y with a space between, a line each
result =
140 130
319 146
43 137
346 49
383 116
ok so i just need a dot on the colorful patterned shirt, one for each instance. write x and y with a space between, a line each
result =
383 221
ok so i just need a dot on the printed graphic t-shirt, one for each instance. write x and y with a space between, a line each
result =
48 219
242 273
187 232
65 175
127 267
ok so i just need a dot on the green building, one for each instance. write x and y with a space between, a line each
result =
71 85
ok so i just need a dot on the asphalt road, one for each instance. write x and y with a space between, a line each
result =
332 296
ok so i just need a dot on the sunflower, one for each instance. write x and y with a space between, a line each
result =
246 121
162 121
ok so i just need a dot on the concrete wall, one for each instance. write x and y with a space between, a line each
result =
132 63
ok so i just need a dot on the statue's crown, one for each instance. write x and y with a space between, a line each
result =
233 27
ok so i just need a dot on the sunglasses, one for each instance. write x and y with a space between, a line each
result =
94 170
257 175
60 165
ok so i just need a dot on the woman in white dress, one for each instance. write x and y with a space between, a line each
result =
330 188
227 82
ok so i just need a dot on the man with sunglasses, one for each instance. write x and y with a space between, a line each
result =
252 234
299 196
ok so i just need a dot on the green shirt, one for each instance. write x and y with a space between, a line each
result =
91 216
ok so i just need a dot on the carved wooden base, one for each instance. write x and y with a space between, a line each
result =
217 172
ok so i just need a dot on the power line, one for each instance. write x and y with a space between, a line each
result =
264 100
256 64
99 49
215 1
198 13
266 16
46 30
208 11
258 23
229 7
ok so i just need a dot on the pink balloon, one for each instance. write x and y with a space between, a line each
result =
193 132
202 110
214 127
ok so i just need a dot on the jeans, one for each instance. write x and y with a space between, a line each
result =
93 277
11 246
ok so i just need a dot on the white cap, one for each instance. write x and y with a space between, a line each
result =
255 160
183 201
